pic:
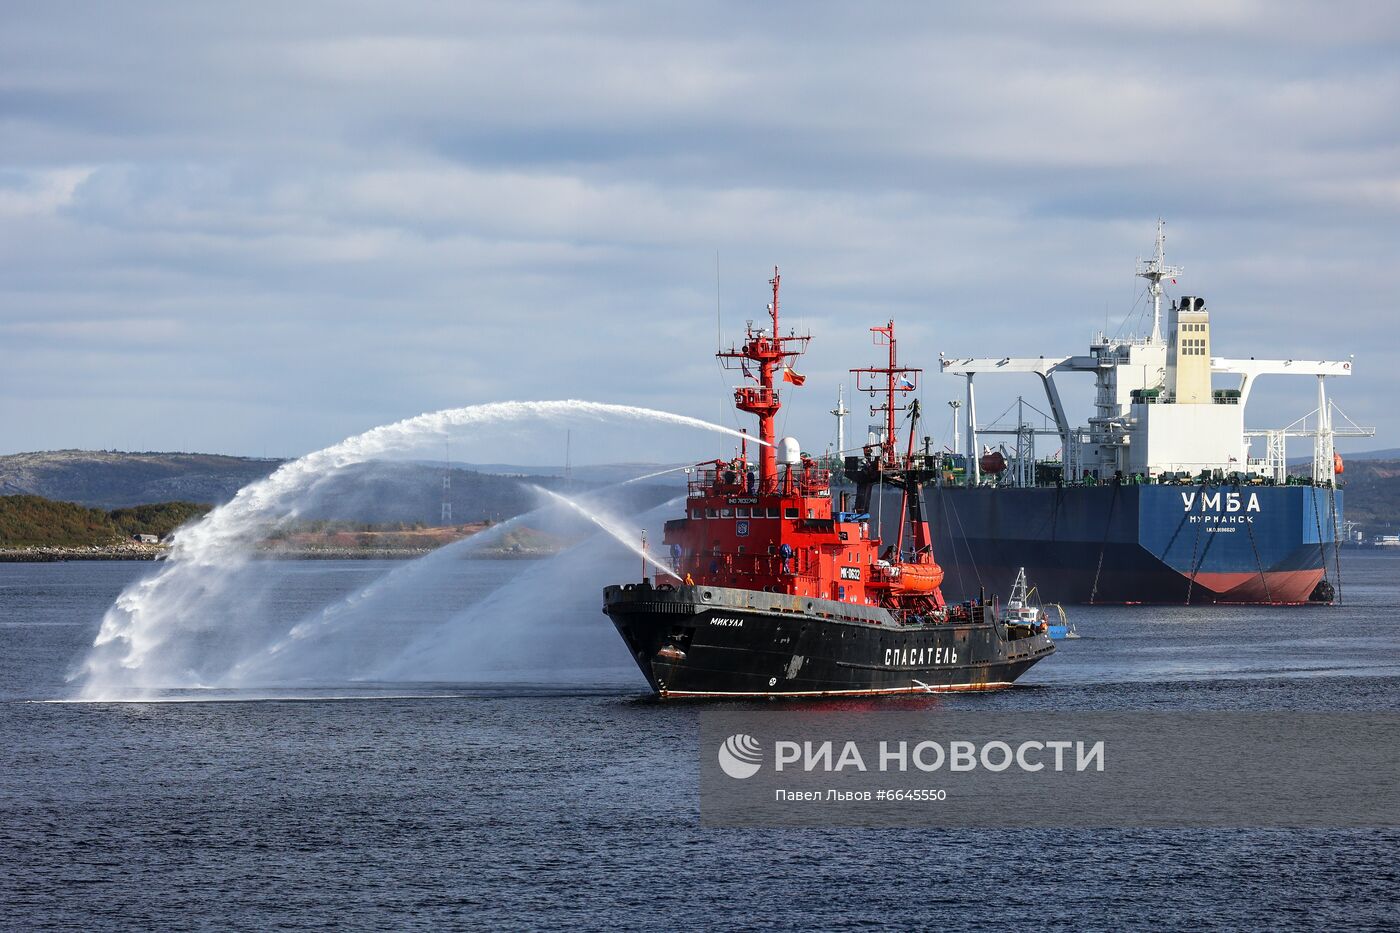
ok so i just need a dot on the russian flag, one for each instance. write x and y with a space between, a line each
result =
906 383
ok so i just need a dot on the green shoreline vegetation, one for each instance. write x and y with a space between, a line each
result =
32 521
35 528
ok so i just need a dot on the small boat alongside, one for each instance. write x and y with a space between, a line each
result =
1024 611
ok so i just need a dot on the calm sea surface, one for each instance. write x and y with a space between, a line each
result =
534 805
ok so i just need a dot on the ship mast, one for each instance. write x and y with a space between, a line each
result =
840 411
907 381
1155 270
890 466
768 351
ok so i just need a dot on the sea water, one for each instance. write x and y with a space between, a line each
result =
553 791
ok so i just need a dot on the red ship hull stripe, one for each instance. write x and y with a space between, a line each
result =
1287 586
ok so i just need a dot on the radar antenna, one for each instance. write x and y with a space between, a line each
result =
1155 270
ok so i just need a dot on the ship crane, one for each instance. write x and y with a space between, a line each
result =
1046 368
1025 433
1324 433
1191 510
1135 371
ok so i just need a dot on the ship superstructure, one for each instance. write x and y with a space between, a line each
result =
1179 448
789 592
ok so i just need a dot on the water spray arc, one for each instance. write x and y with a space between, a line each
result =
326 638
270 664
152 635
618 533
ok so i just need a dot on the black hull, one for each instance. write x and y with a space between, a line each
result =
716 642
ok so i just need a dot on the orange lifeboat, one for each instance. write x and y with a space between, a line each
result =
1338 466
920 578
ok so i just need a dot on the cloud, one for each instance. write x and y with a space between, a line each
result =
39 193
374 212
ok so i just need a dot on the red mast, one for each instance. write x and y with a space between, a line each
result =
896 379
747 529
768 351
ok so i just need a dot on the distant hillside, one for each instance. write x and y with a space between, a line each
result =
595 473
1391 453
32 521
110 479
378 492
1372 493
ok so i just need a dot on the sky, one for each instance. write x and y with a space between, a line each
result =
258 228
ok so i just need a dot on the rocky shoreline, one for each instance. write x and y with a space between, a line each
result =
42 555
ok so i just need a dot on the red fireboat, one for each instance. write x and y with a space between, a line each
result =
788 593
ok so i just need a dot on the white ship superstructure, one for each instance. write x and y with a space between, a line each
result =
1157 415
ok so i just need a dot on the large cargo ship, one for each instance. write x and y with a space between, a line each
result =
1160 498
774 589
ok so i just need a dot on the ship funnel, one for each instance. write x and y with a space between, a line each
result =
789 451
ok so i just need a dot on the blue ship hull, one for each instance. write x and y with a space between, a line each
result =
1138 544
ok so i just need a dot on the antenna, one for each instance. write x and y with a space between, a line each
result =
840 411
568 460
1155 270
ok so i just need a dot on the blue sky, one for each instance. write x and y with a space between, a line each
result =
259 229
